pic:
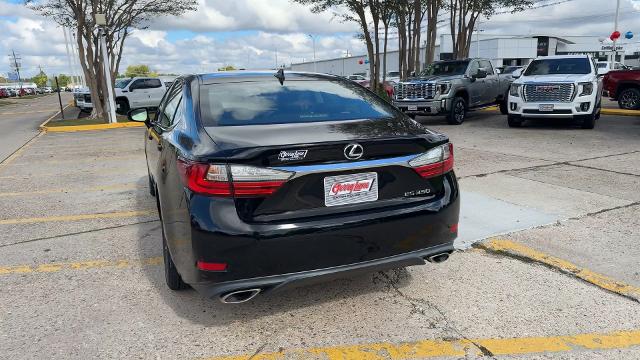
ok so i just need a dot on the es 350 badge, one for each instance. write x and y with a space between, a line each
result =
291 155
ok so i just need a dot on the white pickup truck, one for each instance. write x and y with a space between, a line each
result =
565 87
131 93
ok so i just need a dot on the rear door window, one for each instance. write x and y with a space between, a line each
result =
169 109
296 101
153 83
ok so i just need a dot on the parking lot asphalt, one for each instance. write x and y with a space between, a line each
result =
21 118
81 273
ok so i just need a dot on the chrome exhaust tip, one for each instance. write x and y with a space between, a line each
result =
438 258
240 296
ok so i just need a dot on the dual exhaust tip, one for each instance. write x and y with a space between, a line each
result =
241 296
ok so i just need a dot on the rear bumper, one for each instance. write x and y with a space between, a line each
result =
275 255
274 283
434 107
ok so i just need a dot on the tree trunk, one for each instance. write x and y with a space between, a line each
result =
384 52
432 30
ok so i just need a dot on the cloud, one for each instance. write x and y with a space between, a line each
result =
248 33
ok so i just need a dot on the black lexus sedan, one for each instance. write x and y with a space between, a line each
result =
267 180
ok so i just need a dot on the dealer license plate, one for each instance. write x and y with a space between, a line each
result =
412 107
545 107
350 189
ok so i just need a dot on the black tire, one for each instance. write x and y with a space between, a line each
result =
504 107
629 99
514 122
152 187
171 275
458 111
122 106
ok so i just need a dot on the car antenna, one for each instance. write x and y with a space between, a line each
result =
280 76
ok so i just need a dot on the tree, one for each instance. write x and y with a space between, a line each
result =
139 70
122 16
227 68
41 79
3 79
433 8
63 80
464 15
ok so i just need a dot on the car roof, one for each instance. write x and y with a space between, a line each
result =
564 57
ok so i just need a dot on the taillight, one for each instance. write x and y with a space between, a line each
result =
245 181
434 162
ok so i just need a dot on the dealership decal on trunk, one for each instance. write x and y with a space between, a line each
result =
291 155
350 189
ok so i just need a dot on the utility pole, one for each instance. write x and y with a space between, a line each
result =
313 39
16 67
101 21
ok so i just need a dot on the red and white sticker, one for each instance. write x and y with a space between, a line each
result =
350 189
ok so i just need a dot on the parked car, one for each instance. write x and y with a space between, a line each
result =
265 182
624 87
452 88
358 78
4 93
393 77
138 92
561 87
388 87
48 90
605 66
82 99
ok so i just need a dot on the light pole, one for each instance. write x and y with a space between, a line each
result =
615 28
478 31
101 21
313 39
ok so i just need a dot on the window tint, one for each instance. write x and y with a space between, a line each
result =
486 64
559 66
138 84
297 101
153 83
446 68
169 108
473 68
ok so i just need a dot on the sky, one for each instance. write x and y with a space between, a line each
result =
251 33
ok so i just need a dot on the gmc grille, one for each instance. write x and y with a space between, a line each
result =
414 91
549 92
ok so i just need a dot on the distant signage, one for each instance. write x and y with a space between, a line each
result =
543 46
610 48
12 76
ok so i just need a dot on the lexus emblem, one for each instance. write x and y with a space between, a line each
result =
353 151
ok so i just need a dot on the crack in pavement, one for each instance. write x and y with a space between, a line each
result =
78 233
569 162
414 302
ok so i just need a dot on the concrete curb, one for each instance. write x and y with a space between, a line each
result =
76 128
42 126
620 112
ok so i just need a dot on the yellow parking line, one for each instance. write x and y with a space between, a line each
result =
75 128
79 265
455 348
110 215
602 281
621 112
28 112
130 186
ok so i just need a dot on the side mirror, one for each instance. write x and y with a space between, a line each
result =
139 115
481 74
516 74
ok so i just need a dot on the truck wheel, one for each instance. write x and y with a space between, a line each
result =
122 106
514 121
629 99
504 107
458 111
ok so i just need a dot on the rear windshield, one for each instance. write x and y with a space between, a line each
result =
559 67
297 101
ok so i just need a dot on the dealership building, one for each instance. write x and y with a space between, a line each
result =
500 49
